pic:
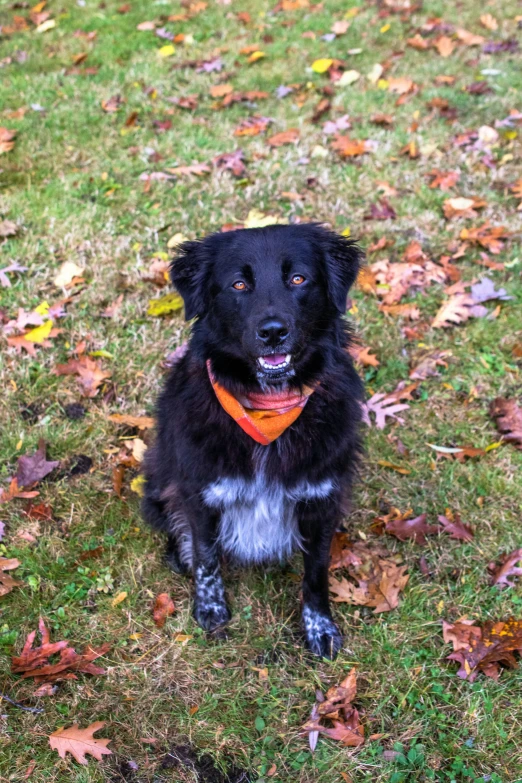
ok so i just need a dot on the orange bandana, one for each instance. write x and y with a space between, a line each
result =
262 416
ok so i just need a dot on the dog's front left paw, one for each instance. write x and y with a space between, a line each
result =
323 637
211 615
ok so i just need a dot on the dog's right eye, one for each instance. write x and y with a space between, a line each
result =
239 285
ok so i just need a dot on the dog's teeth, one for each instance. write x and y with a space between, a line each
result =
268 366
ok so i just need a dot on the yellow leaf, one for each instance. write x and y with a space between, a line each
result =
176 240
137 485
170 303
48 25
182 638
492 446
322 65
257 219
348 77
42 308
385 28
118 599
383 84
135 636
346 232
351 13
375 73
440 607
139 447
166 51
255 56
40 333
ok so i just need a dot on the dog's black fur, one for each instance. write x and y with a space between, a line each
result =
200 446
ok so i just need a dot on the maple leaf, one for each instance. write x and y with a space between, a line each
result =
233 161
163 608
89 372
483 649
220 90
416 529
32 468
417 42
7 582
80 742
285 137
455 528
508 415
35 661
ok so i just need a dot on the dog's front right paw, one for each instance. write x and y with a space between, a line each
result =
323 637
211 615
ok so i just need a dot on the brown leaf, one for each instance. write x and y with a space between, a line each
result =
336 708
7 138
415 529
417 42
6 580
483 649
489 22
285 137
427 367
163 608
383 119
489 237
462 207
409 311
220 90
233 161
396 279
506 568
32 468
80 742
35 661
252 126
8 229
361 355
508 414
379 582
455 310
342 553
443 180
112 104
350 148
444 46
197 169
382 210
141 422
456 528
401 85
89 372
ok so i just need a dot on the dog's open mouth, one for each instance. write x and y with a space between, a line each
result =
274 362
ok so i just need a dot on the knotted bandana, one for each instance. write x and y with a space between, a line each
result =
262 416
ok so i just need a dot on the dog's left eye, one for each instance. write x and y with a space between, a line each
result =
239 285
297 280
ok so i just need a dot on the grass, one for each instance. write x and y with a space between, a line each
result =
72 185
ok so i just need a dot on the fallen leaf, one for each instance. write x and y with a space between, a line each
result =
489 237
112 104
485 290
163 608
462 207
489 22
67 274
456 528
427 367
418 42
170 303
197 169
322 65
32 468
335 717
455 310
351 148
501 572
443 180
415 529
361 355
118 599
35 661
508 415
469 39
385 406
483 648
252 126
80 742
233 161
220 90
444 46
7 138
7 582
285 137
377 587
382 210
8 229
141 422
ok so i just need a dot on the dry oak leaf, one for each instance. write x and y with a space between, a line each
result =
6 580
141 422
14 491
382 210
233 161
35 661
337 708
401 85
361 355
112 104
7 138
285 137
351 148
417 42
507 567
89 372
489 22
380 589
163 608
196 169
409 311
427 367
383 407
415 529
252 126
489 237
455 528
455 310
483 649
220 90
444 46
342 552
462 207
396 279
508 414
80 742
32 468
443 180
469 39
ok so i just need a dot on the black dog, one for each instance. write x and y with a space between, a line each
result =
269 335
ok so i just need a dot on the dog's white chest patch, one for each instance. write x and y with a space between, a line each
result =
258 520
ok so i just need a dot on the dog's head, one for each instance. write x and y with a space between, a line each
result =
265 298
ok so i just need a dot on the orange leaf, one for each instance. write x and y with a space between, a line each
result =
80 742
285 137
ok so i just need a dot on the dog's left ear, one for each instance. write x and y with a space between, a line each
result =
343 259
188 272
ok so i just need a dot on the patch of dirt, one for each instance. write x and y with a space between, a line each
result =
185 756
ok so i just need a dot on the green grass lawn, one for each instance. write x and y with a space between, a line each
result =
72 185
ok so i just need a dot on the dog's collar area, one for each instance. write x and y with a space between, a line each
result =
264 415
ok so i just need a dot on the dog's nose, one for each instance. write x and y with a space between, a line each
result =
272 331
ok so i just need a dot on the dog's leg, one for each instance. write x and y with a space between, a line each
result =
317 520
210 606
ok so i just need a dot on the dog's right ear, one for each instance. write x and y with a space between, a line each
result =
188 273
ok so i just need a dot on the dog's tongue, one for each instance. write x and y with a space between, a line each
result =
275 358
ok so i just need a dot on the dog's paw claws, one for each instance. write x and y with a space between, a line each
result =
323 637
173 561
211 616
